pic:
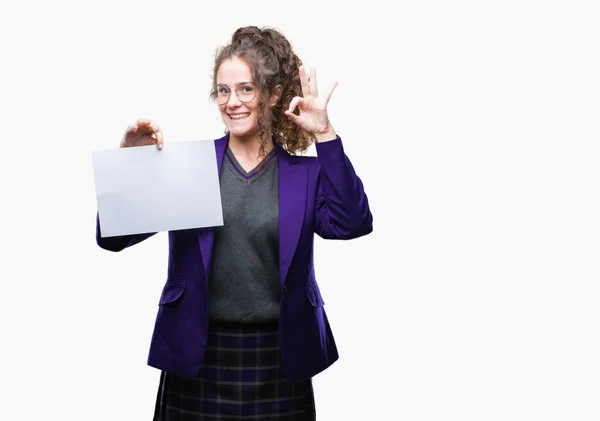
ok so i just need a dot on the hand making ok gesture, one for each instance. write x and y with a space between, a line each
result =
313 108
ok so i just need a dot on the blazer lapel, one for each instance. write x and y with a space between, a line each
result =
206 235
292 205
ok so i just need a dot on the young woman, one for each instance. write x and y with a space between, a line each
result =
241 328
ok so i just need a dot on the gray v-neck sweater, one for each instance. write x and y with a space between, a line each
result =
244 280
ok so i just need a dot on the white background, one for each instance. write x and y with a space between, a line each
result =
474 127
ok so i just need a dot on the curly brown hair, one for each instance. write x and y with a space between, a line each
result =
272 62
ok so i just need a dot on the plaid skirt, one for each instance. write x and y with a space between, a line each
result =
241 379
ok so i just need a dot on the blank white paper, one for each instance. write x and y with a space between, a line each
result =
144 189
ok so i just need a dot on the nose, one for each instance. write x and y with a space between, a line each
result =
233 100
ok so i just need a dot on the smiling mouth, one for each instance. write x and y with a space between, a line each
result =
239 116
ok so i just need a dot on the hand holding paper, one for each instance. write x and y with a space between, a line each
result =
141 133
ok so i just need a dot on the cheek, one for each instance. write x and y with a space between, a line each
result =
223 111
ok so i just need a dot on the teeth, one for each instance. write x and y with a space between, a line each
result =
239 116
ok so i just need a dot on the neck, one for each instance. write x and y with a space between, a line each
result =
248 147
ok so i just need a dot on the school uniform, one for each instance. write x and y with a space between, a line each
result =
241 328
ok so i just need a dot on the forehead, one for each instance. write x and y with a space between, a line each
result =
234 70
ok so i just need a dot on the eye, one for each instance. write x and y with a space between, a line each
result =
247 88
222 90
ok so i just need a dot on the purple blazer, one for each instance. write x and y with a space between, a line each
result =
321 195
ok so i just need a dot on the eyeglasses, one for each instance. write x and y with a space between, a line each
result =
245 92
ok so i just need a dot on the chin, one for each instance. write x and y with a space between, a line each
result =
236 131
243 131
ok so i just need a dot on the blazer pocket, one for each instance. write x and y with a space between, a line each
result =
314 296
171 292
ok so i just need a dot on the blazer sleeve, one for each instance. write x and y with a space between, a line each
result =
120 242
342 208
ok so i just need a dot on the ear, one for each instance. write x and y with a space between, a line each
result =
276 95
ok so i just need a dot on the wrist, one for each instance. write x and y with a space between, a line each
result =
326 135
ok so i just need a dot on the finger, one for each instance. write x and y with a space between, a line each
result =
303 81
153 126
156 133
312 82
295 102
132 128
145 126
330 92
295 119
159 137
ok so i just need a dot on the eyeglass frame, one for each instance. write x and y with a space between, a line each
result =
237 94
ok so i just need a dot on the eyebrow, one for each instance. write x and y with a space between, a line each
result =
237 84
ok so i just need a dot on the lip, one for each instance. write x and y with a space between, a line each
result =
232 116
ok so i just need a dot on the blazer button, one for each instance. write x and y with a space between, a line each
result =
284 288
